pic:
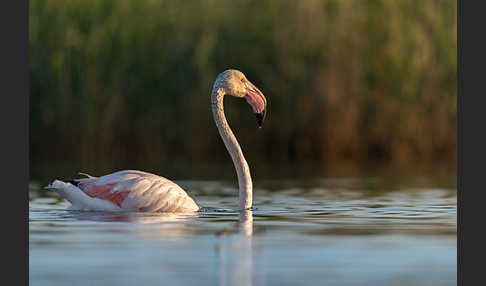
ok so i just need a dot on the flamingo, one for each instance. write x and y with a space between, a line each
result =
131 190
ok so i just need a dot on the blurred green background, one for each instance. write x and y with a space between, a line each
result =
352 86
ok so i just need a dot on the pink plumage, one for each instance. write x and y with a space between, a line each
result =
128 190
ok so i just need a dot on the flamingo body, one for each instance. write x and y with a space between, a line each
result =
127 190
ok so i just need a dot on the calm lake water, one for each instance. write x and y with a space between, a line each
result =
312 232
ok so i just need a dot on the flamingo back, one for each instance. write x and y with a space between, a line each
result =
132 190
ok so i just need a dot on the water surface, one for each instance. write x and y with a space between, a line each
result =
319 232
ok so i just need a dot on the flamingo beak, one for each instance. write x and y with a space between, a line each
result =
257 101
260 118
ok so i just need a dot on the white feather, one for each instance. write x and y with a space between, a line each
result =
146 192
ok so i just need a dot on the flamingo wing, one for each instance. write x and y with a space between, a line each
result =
136 191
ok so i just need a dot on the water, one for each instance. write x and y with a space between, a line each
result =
319 232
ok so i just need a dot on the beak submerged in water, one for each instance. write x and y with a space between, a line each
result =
257 101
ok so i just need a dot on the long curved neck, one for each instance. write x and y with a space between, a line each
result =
234 149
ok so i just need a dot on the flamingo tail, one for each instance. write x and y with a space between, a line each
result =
78 199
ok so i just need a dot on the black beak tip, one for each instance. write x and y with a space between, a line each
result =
260 118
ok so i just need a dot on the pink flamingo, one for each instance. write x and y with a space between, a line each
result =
131 190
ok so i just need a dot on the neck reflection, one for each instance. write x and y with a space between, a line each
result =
236 253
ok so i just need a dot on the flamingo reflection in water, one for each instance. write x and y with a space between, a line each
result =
236 250
237 253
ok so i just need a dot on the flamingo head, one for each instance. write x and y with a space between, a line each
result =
236 84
